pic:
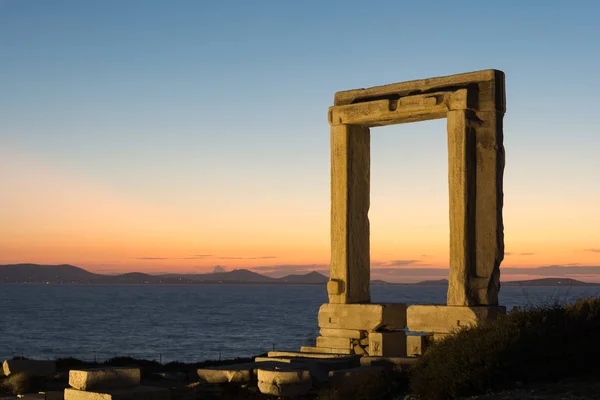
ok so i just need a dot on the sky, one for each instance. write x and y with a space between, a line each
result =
177 136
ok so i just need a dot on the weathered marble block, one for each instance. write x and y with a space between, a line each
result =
416 345
446 319
366 317
387 344
334 342
104 378
325 350
236 373
343 333
284 381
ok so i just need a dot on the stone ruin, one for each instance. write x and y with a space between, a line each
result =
358 337
474 106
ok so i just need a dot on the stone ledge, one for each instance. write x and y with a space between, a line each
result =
299 354
343 333
334 342
365 317
325 350
446 319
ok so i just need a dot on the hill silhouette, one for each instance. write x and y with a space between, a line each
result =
65 273
34 273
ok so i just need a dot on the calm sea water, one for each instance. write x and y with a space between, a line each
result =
191 323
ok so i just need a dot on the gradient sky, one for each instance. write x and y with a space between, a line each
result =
174 136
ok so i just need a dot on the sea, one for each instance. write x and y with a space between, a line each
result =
192 323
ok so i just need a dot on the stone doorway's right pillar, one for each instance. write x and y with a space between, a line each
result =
475 172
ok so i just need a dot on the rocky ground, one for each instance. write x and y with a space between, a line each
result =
184 384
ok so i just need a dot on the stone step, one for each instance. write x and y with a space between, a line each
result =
343 333
274 359
131 393
323 365
334 342
325 350
104 378
309 355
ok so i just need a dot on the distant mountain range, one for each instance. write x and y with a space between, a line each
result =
35 273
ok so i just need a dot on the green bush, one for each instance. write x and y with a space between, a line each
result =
526 345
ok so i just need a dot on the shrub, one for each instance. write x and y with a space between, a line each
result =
21 382
373 386
526 345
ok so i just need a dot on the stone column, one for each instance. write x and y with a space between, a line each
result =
475 169
350 177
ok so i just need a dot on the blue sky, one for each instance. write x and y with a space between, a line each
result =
188 105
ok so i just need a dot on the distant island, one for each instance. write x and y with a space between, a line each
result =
531 282
62 274
70 274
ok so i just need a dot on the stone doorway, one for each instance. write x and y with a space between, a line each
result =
474 106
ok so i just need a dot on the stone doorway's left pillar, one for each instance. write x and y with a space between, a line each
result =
350 186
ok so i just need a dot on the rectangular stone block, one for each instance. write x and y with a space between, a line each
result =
234 373
132 393
417 344
446 319
419 107
343 333
30 367
325 350
334 342
366 317
389 344
488 83
104 378
299 354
